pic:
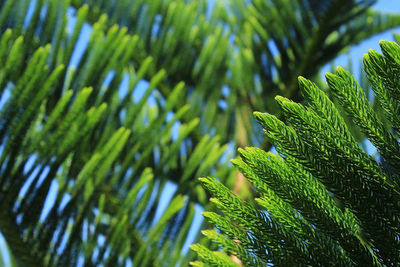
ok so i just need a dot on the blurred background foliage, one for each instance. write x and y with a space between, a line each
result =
111 110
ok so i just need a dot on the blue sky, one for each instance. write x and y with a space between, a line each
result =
388 5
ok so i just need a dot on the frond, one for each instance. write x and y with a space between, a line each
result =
84 156
332 203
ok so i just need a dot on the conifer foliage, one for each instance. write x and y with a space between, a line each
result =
322 201
104 104
83 163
